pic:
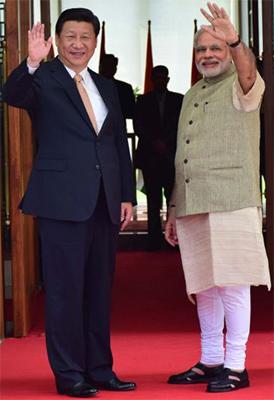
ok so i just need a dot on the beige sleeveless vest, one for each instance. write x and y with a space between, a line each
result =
217 158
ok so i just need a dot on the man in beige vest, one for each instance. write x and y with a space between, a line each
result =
215 212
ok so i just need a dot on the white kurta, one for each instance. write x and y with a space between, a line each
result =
223 249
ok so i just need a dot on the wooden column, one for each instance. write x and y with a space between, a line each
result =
45 16
2 186
23 235
268 68
255 28
46 20
2 323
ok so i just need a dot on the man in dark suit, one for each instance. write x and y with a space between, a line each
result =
155 123
80 189
108 68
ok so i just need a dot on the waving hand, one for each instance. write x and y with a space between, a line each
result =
38 47
221 26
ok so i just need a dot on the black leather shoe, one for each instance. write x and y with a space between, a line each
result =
81 389
114 384
229 380
190 376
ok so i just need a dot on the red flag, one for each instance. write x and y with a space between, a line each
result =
102 49
149 62
195 74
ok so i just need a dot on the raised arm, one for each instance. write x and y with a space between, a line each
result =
17 90
38 47
223 29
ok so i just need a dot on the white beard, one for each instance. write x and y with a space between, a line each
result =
219 69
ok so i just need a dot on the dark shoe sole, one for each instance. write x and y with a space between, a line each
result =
66 393
229 389
189 382
102 387
74 395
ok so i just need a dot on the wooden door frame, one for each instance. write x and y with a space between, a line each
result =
2 321
268 68
24 275
24 241
2 185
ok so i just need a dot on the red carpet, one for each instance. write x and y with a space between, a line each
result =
155 334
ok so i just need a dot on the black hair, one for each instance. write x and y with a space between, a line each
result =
110 58
162 69
80 15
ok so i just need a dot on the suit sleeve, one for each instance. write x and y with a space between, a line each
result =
18 89
130 102
128 190
140 122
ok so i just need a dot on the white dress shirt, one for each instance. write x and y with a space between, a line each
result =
99 108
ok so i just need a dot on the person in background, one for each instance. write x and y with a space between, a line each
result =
108 68
81 191
155 123
215 210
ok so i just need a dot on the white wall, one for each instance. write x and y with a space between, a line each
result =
172 32
171 28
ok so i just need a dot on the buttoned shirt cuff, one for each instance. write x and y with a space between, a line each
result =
251 100
31 70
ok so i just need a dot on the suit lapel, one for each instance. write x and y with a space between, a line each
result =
61 75
104 93
102 89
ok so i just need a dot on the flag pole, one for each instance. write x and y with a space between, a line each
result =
103 44
195 75
149 61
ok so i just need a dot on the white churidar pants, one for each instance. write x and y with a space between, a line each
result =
229 304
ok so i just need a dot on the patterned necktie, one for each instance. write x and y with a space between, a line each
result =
84 96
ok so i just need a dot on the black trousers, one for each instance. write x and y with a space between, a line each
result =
78 260
158 176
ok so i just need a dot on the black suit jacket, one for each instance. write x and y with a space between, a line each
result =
150 127
71 159
126 97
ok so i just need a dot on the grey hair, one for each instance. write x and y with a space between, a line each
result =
196 37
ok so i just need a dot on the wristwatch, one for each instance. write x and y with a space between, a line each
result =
235 44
